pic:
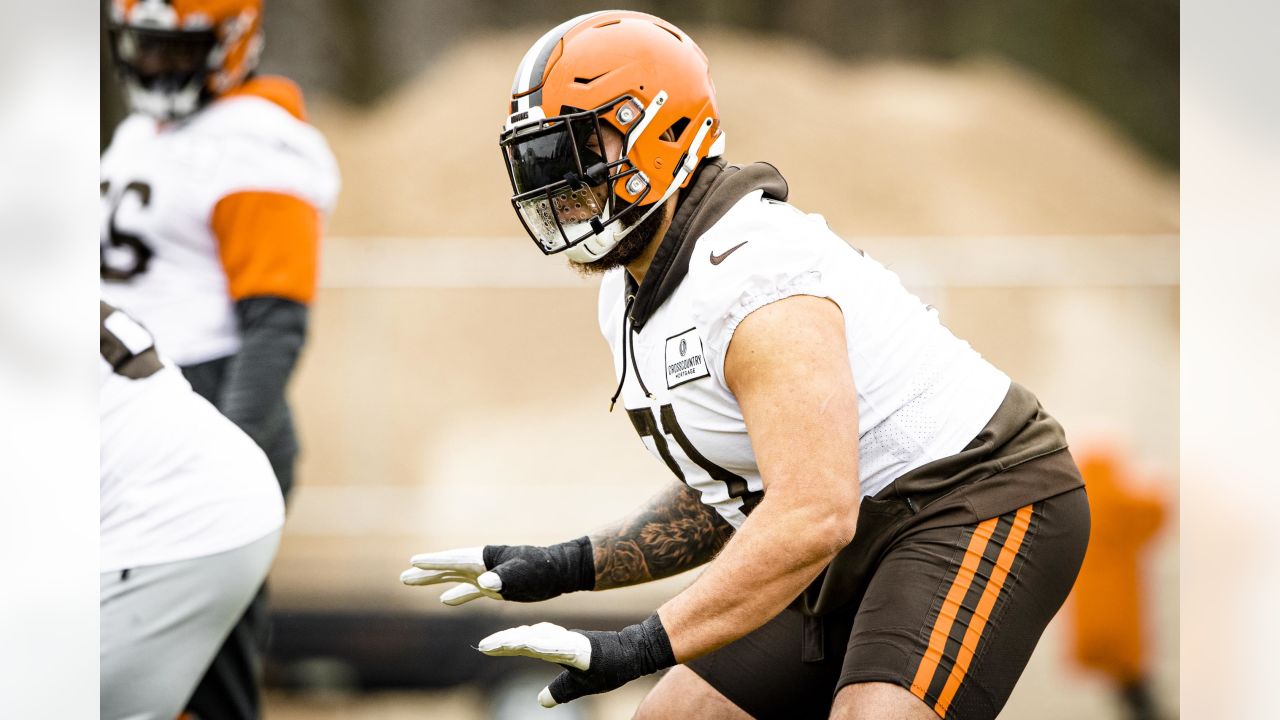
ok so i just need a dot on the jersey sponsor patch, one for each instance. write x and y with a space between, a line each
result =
685 360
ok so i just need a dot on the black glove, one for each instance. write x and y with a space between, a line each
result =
524 573
595 661
617 658
530 573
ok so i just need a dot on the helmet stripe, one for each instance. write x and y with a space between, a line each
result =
534 63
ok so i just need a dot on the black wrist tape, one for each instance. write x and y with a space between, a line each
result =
531 573
617 658
650 643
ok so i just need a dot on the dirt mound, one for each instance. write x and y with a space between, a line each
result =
973 147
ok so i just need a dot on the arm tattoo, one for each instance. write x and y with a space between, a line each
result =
672 533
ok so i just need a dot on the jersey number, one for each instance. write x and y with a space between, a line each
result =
115 238
647 426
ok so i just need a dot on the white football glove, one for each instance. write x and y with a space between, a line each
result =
464 566
523 573
543 641
595 661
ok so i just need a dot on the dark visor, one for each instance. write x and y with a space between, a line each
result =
546 156
158 53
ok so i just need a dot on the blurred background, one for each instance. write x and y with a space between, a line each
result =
1016 163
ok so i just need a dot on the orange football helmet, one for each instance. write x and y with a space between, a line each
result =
636 73
176 55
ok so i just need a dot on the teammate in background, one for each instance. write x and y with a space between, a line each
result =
889 523
190 519
214 193
1111 604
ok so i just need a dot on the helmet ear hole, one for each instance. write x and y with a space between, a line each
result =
676 129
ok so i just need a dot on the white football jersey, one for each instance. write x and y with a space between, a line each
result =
178 480
163 186
923 394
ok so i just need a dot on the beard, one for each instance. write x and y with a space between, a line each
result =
627 249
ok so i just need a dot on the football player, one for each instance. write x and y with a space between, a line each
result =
190 519
214 193
888 523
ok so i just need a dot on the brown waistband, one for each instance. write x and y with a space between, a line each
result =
966 488
1020 430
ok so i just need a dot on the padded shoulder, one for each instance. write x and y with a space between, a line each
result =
761 251
133 129
279 90
262 145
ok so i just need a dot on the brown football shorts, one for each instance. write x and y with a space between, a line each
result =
954 572
951 614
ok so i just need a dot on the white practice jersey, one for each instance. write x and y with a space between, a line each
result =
189 210
923 394
178 480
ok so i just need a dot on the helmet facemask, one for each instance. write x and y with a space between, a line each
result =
564 190
176 56
164 72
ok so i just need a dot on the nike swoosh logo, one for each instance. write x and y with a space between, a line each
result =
717 259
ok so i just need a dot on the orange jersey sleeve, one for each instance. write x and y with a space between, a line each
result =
269 244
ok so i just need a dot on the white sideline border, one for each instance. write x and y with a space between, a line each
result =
1049 261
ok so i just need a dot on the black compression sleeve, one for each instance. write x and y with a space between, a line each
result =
272 332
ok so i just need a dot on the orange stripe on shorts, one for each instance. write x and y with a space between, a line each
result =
1004 563
950 606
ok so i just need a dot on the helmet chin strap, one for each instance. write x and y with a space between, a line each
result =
594 247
